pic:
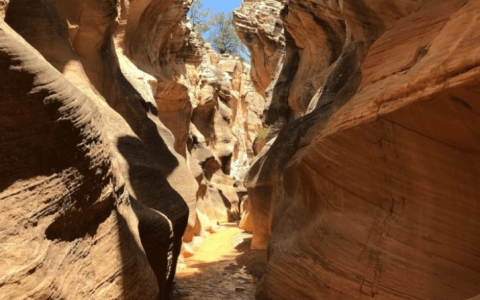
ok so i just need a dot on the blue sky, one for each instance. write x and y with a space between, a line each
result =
221 5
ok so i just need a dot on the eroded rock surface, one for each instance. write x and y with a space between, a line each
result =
370 189
121 134
259 26
210 104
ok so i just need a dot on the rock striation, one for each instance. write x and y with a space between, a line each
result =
369 187
121 134
259 26
226 116
209 103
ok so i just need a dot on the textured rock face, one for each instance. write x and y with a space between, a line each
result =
209 103
371 188
115 122
259 26
93 193
69 219
225 119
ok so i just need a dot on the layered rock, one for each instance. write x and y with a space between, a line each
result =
259 27
210 104
103 148
370 190
80 153
226 117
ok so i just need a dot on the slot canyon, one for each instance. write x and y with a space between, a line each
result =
342 161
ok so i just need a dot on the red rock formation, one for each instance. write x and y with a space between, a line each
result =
70 227
374 192
101 145
209 103
259 26
87 166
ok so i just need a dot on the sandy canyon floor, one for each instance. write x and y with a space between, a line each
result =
222 267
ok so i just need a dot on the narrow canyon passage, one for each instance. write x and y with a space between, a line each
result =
140 161
222 267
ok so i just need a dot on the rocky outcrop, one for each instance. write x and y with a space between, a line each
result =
209 103
225 119
259 27
370 189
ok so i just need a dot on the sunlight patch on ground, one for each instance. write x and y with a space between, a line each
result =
222 267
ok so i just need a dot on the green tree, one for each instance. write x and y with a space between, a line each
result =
199 16
217 29
222 35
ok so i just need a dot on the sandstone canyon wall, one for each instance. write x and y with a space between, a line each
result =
119 132
122 134
210 105
368 183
